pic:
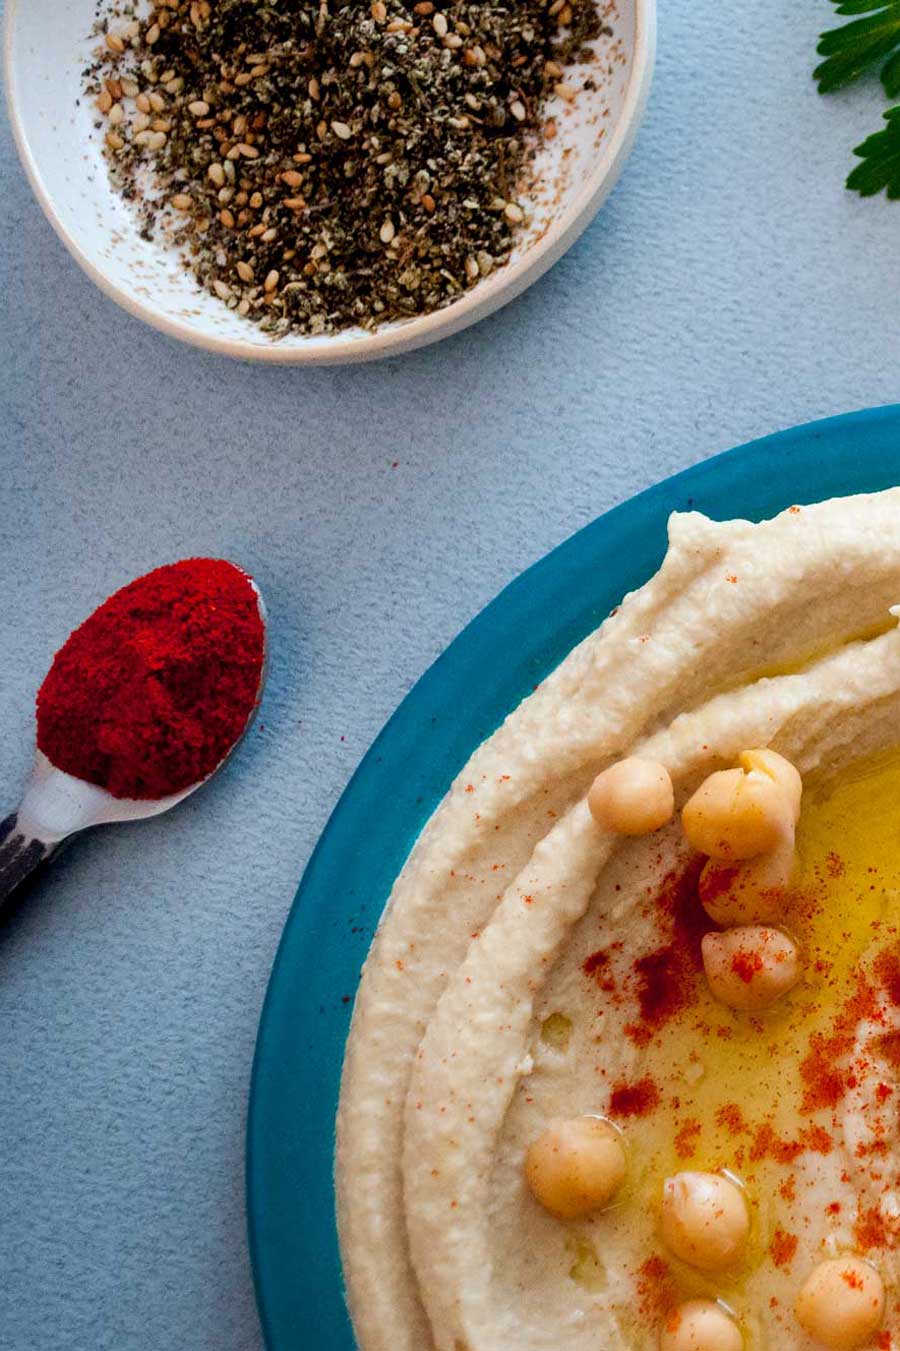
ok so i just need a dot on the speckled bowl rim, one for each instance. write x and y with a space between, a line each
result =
406 336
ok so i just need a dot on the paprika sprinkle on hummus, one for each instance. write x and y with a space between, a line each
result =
638 1099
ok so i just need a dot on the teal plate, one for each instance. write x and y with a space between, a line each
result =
494 662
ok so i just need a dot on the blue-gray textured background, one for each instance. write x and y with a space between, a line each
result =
729 288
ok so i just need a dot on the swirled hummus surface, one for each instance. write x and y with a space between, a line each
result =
532 967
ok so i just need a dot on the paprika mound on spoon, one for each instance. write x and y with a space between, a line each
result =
141 705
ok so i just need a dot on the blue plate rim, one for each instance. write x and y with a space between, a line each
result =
665 496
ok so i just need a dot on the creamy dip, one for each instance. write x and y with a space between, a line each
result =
532 966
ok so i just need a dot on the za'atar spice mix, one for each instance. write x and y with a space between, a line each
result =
327 165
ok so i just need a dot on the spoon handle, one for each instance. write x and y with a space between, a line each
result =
20 854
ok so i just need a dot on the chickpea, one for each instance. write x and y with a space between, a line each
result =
632 797
778 769
737 815
704 1219
751 967
750 892
700 1325
576 1167
841 1303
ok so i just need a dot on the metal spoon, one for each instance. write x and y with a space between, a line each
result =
56 805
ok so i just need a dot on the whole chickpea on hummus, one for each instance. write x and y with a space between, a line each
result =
624 1070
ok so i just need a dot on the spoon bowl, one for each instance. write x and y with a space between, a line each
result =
56 805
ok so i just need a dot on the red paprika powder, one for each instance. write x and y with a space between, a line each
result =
149 694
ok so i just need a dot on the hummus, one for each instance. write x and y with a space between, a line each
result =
531 966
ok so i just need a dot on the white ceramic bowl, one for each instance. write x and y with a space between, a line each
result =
48 46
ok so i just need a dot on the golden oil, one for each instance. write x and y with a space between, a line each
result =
718 1069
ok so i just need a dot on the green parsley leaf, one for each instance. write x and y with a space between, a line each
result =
855 48
880 155
850 52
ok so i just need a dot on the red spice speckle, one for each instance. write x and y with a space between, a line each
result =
823 1079
731 1118
788 1189
686 1139
657 1293
746 965
783 1248
887 969
597 966
817 1140
870 1230
716 882
835 865
888 1046
667 978
638 1099
767 1144
852 1278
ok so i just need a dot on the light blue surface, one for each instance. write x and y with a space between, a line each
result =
499 659
730 287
